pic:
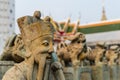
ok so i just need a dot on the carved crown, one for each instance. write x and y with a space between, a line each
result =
34 30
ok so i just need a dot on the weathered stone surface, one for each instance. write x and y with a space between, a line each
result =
69 73
35 44
113 72
82 73
118 72
100 72
4 66
38 40
85 73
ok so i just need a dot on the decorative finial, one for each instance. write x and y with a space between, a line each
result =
103 12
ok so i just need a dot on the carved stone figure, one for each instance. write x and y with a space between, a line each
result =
73 51
112 55
38 40
18 49
94 56
77 48
63 54
7 52
14 49
76 53
98 53
69 53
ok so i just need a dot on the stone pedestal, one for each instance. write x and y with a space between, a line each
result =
101 72
113 72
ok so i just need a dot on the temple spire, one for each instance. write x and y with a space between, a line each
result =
103 12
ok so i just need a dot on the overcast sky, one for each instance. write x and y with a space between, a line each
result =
85 10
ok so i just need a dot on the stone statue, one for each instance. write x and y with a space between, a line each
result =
8 49
63 54
75 53
112 55
98 53
79 53
14 49
72 52
38 42
18 49
93 56
77 48
70 55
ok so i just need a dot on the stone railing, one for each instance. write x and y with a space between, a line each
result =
101 72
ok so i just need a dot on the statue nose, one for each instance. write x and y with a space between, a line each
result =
51 50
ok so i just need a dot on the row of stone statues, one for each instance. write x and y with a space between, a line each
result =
76 51
35 44
79 54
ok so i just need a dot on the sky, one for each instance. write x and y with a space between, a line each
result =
85 10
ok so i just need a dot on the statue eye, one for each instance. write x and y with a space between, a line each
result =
45 43
78 42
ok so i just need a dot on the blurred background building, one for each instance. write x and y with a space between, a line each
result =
7 20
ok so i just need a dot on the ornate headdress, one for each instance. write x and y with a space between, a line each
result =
34 30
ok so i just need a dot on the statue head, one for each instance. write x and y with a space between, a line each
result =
37 37
77 38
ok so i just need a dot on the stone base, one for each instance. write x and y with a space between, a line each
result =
102 72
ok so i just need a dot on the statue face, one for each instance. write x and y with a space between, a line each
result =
42 45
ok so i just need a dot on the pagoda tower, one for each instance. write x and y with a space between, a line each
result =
103 18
